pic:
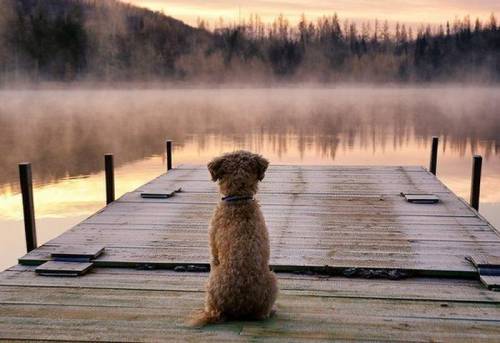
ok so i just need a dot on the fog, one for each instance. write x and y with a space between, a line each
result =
66 132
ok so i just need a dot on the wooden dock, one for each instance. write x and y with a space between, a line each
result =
355 261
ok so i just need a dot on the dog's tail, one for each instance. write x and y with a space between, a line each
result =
201 318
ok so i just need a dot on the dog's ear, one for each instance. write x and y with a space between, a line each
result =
261 166
215 168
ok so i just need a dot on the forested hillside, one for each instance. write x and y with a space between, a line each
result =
106 40
90 39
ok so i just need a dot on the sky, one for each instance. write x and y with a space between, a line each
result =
408 11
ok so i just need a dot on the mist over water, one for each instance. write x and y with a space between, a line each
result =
64 133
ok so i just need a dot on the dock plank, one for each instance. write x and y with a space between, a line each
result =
429 260
435 289
118 305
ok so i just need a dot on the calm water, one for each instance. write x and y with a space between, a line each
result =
64 133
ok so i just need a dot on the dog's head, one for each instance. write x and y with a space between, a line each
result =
238 172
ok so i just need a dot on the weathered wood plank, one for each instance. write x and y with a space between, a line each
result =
284 187
339 168
297 174
112 304
454 290
293 322
367 169
334 203
179 300
166 239
309 255
321 209
201 213
301 234
437 259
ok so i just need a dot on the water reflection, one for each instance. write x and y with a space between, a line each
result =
65 134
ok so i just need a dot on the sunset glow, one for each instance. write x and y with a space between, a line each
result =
425 11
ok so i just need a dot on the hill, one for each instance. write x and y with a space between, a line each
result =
98 39
107 40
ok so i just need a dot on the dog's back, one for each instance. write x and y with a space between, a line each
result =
240 231
242 283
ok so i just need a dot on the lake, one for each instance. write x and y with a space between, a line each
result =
64 133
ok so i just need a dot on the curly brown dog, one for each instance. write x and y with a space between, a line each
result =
240 284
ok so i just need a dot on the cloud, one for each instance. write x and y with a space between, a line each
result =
411 11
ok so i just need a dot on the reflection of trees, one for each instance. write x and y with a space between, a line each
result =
65 134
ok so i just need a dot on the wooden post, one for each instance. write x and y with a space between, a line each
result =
110 178
169 154
477 161
434 153
28 207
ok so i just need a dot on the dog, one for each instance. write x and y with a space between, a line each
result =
241 285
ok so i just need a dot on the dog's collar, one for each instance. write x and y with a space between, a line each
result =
233 198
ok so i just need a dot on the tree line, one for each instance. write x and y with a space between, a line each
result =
106 40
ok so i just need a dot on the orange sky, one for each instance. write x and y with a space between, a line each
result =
410 11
